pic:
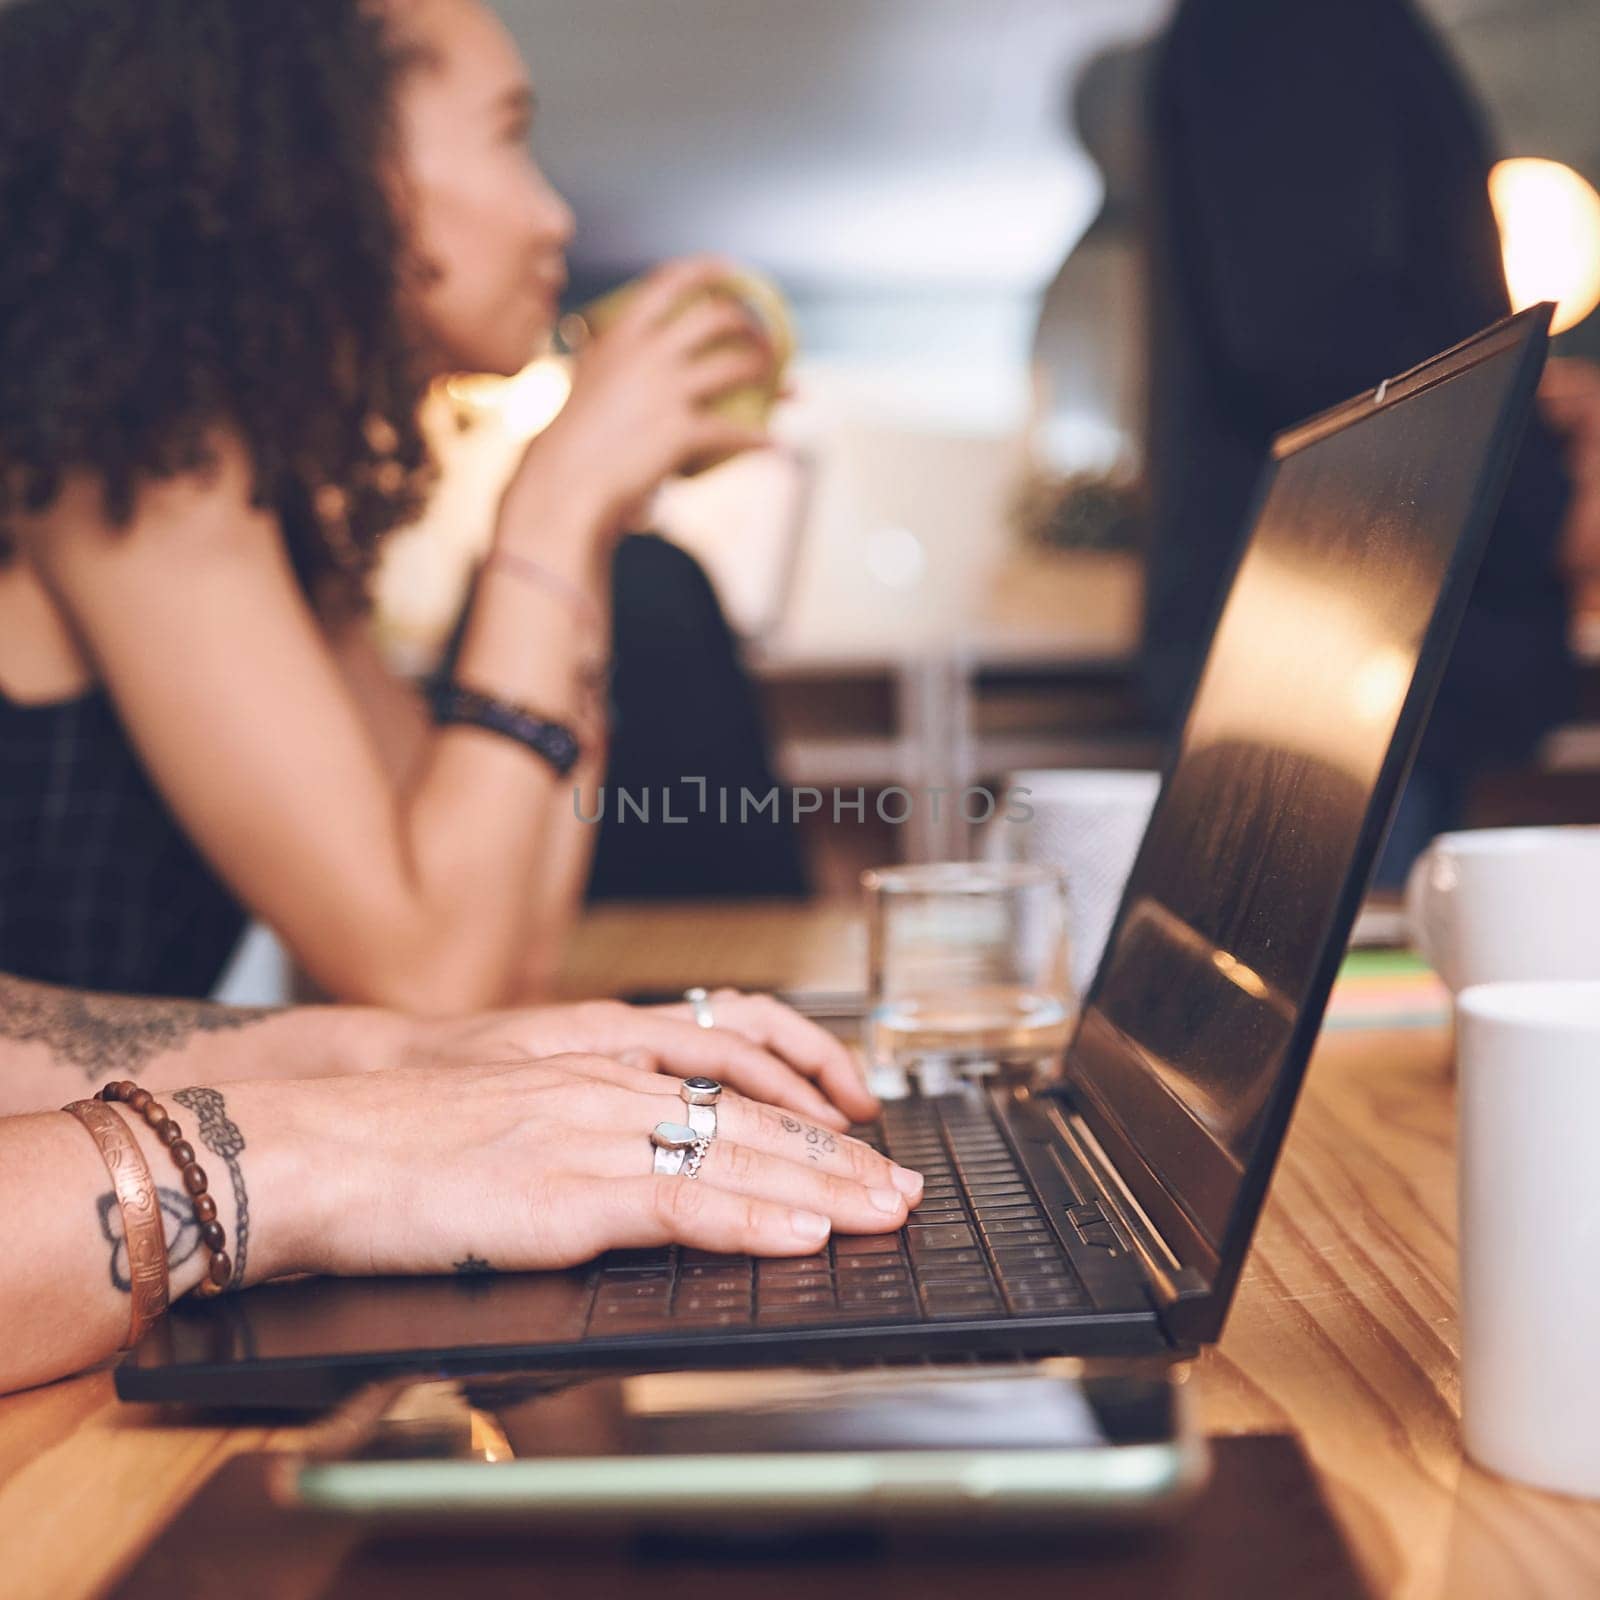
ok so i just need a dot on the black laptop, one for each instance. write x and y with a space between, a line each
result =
1109 1215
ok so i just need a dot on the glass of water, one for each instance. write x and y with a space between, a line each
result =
969 973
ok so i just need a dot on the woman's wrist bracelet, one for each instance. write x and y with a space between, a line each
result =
536 573
148 1278
553 742
195 1182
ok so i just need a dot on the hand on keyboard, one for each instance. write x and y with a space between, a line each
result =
529 1164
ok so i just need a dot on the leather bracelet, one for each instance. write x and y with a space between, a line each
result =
553 742
142 1232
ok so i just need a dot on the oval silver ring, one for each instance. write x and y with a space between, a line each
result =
679 1150
700 1095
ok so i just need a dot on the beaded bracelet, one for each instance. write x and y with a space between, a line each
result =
553 742
195 1182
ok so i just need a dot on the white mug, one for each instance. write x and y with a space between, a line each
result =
1530 1231
1088 824
1508 903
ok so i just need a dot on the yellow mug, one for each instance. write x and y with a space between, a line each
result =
749 406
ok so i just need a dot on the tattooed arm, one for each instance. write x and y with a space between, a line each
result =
59 1044
503 1165
65 1294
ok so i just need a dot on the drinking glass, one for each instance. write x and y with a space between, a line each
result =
969 974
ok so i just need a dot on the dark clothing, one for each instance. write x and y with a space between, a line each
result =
1320 221
100 888
684 708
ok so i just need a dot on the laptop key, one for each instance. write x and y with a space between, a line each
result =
710 1302
651 1291
796 1297
939 1236
1010 1255
942 1310
877 1297
1036 1275
866 1244
1002 1228
802 1316
847 1268
871 1276
949 1258
766 1291
934 1270
796 1280
1046 1294
739 1272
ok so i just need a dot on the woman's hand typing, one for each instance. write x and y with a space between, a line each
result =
534 1164
759 1046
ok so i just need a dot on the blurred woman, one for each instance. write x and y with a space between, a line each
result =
241 243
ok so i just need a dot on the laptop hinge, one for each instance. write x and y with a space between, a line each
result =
1169 1281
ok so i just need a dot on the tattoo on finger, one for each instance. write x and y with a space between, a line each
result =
819 1142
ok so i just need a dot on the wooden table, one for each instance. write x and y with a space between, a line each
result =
1344 1331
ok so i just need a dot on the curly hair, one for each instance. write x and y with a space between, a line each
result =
201 235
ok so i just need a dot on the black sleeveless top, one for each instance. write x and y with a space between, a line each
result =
101 889
99 886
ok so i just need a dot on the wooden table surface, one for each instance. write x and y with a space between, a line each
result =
1344 1331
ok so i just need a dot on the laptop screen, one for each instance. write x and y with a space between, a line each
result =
1327 652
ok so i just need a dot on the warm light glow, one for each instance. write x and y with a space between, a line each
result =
1549 235
1379 686
526 404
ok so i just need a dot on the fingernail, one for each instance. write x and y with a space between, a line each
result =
808 1225
886 1199
905 1180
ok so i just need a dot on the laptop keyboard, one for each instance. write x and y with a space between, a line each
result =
977 1246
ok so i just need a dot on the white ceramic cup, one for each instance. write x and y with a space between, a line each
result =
1530 1231
1498 904
1089 825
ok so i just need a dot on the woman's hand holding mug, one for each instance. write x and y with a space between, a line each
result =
642 402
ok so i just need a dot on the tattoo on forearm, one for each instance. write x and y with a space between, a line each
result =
182 1232
220 1134
473 1267
101 1034
819 1142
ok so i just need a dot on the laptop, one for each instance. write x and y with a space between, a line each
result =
1109 1214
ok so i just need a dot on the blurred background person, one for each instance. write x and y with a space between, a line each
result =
1319 220
241 246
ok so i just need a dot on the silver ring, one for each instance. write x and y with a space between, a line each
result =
701 1002
679 1150
701 1095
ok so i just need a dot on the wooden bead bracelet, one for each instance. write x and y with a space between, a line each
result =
195 1182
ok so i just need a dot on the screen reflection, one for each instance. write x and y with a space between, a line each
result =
1230 910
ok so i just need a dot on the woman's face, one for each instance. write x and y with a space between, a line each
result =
485 223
